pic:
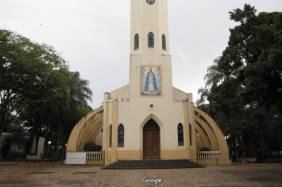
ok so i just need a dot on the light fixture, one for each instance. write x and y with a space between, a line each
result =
49 142
151 105
66 144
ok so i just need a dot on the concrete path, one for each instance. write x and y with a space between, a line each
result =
58 175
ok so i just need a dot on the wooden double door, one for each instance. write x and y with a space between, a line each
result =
151 140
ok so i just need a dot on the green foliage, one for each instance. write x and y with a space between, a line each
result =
47 152
6 147
204 149
38 92
14 155
91 146
52 152
28 146
244 86
15 140
25 68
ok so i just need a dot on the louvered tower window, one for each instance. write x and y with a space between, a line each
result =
121 135
151 40
136 42
180 135
163 42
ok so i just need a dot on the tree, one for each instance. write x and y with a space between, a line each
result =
25 68
257 42
79 91
246 85
38 92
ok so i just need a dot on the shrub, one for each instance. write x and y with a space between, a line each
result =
6 147
28 146
204 149
91 146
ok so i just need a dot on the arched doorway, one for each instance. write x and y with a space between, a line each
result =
151 140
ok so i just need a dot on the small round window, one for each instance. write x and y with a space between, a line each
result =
150 2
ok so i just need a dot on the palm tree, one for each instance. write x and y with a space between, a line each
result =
222 70
79 93
79 90
214 74
200 103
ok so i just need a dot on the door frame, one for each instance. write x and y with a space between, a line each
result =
161 127
159 142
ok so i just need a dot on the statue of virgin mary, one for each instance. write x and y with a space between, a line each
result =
151 84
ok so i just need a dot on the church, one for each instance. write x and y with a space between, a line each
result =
149 118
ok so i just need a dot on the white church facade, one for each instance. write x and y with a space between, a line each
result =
149 118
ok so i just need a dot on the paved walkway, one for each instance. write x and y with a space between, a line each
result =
58 175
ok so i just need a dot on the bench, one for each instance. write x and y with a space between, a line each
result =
250 160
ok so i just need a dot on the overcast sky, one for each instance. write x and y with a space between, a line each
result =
84 31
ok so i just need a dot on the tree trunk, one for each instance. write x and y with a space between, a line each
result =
234 148
36 142
1 132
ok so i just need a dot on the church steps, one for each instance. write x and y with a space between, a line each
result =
164 164
153 164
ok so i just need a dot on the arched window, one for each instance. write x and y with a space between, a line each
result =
163 42
180 135
110 135
190 131
136 42
151 40
120 135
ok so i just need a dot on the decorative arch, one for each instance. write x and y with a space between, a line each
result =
204 139
199 141
85 130
213 130
158 121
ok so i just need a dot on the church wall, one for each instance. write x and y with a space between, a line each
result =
135 78
179 95
110 114
99 139
192 152
121 93
132 117
136 25
105 122
163 25
174 154
130 155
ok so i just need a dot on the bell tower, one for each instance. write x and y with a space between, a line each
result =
150 62
149 16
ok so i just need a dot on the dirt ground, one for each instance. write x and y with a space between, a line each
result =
56 174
